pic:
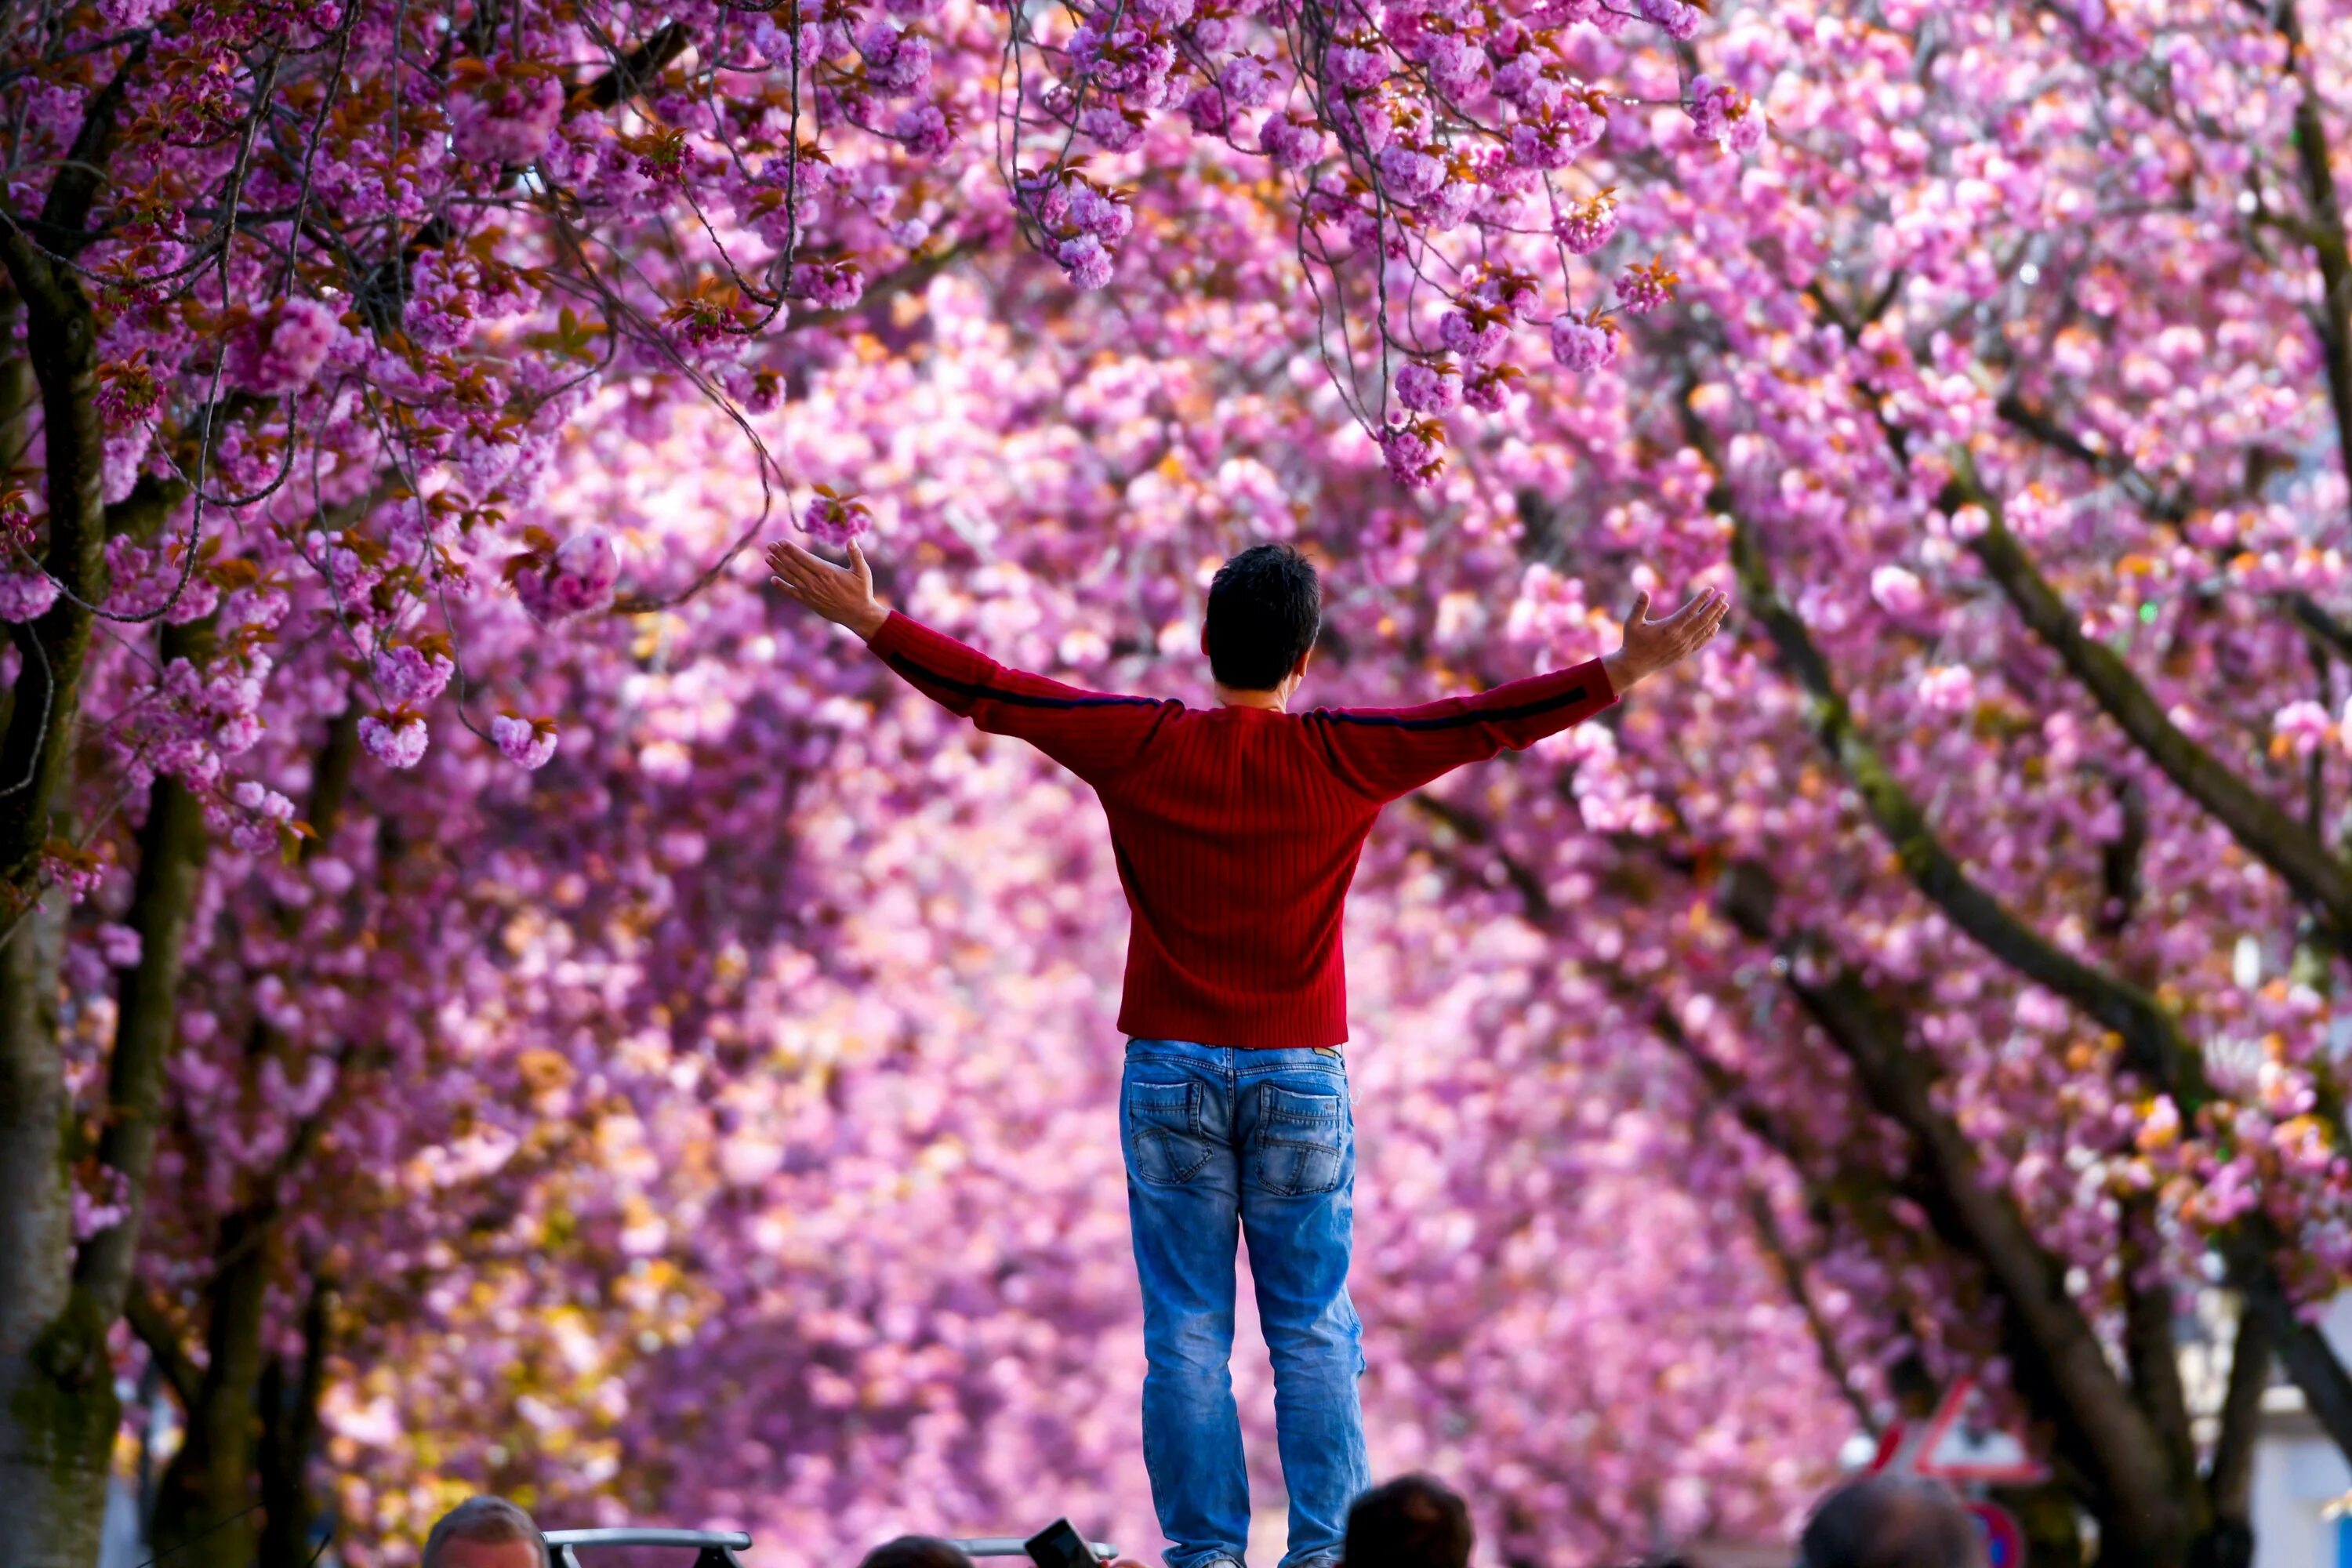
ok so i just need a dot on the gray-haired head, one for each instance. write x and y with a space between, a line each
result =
1892 1521
490 1520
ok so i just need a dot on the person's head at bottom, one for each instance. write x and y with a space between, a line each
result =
485 1532
1411 1521
1892 1521
917 1552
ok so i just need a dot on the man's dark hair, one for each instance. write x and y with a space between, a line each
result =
1411 1521
917 1552
1264 606
1892 1521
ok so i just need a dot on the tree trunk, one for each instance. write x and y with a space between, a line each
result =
209 1482
2148 1512
57 1409
290 1436
250 1425
42 1457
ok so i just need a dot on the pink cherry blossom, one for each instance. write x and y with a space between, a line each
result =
1897 590
1581 346
508 118
1429 388
528 743
578 578
26 595
409 677
396 743
282 350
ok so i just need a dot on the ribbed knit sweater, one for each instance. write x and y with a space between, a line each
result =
1237 829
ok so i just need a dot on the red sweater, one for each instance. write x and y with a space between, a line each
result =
1237 829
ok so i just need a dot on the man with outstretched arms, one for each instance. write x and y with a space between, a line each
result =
1237 829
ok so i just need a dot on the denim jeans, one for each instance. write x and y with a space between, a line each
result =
1262 1143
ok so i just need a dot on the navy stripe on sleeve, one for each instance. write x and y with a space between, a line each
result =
1456 720
910 668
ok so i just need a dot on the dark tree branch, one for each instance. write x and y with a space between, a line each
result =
171 846
211 1477
153 1322
2148 1031
2266 831
83 172
2056 1351
381 291
2149 1034
2315 622
634 71
915 274
330 779
1791 1269
62 341
2150 1349
2028 419
290 1436
2229 1476
1839 1182
56 1431
2120 860
141 514
2332 317
1534 901
2309 1359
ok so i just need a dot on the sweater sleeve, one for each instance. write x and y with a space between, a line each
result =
1091 733
1385 753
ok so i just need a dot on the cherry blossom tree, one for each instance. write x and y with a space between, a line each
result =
2052 879
299 301
493 998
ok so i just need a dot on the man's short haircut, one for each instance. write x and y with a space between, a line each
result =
917 1552
1411 1521
488 1519
1263 607
1892 1521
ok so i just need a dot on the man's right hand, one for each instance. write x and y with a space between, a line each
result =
1651 646
844 596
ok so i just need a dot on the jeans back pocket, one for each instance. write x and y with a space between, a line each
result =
1302 1142
1164 1145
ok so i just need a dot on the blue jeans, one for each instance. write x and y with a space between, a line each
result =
1220 1140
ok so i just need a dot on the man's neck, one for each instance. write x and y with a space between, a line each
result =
1272 701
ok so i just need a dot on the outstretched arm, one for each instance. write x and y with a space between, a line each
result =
1092 734
1388 751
